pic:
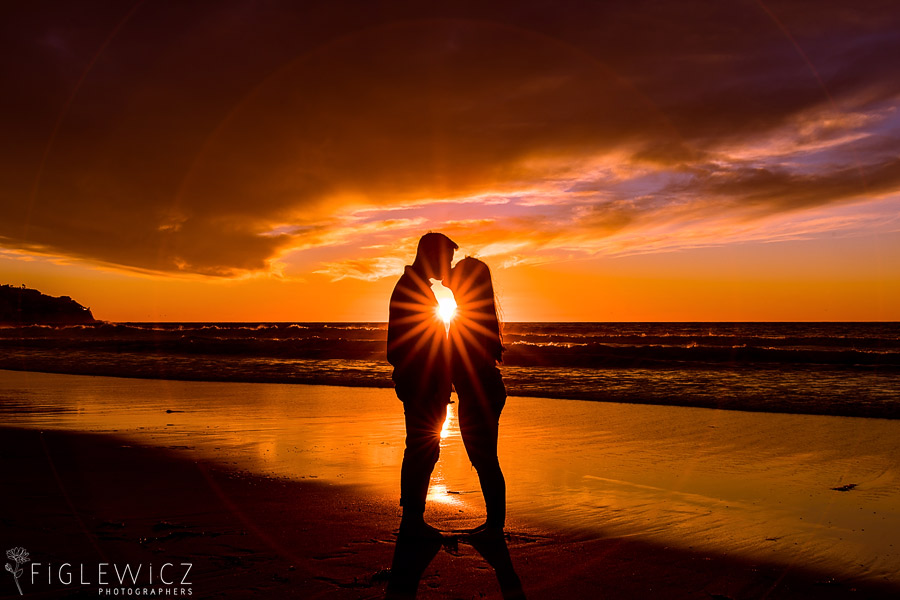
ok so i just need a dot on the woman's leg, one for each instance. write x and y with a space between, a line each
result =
479 428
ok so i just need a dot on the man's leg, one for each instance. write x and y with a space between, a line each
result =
423 445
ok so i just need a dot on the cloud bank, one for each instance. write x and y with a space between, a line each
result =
228 138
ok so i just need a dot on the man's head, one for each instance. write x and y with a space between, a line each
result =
434 255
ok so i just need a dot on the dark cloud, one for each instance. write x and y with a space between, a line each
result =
764 191
209 137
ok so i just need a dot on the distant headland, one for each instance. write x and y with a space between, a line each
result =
24 306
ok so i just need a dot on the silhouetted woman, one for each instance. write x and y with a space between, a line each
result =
476 349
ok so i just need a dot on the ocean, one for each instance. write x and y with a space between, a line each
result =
846 369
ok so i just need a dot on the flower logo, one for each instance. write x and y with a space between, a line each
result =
19 556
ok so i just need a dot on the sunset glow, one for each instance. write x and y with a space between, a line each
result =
447 309
741 166
445 428
642 256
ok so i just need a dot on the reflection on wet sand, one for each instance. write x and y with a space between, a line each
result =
495 551
757 485
412 555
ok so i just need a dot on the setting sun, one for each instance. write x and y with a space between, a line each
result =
446 309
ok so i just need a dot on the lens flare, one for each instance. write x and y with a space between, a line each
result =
446 309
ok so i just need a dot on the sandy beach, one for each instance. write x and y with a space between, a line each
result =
291 491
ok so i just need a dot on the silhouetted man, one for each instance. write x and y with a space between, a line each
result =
418 349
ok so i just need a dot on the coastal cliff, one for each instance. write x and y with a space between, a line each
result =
24 306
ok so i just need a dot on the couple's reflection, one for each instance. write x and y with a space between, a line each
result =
413 554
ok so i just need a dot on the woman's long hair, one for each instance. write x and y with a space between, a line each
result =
477 316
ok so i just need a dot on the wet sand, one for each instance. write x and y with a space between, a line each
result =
84 499
269 491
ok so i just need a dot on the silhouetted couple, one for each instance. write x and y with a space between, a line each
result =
428 360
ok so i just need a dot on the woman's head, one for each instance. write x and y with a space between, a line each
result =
470 281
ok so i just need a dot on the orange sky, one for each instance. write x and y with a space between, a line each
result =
695 161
